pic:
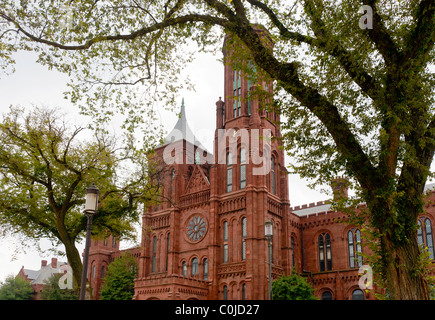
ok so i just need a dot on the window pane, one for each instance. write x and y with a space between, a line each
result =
229 180
244 227
229 159
326 295
225 253
242 176
357 295
205 269
195 270
184 269
225 231
242 155
419 233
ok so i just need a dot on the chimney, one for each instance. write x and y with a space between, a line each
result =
340 188
54 263
43 263
220 114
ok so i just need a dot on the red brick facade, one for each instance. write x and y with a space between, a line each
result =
207 240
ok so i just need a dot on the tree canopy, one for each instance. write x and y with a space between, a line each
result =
15 288
356 95
292 287
119 280
46 166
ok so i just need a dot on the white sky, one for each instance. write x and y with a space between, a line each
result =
34 84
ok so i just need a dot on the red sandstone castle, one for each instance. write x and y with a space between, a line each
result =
206 240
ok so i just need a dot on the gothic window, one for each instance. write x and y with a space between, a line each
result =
425 235
354 248
184 269
244 232
272 176
225 253
251 78
325 257
326 295
195 268
237 88
154 260
225 293
244 291
229 172
357 295
225 246
242 168
102 272
205 269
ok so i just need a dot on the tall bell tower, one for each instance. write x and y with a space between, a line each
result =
249 196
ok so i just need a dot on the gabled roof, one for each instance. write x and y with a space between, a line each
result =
182 131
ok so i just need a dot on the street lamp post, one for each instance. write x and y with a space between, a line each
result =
91 206
268 234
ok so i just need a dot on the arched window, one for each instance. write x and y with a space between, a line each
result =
225 293
229 172
242 168
205 269
225 245
357 294
251 78
425 235
354 248
272 176
195 268
325 257
244 232
102 272
244 291
184 269
326 295
154 259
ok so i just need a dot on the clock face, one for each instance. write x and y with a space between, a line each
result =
196 228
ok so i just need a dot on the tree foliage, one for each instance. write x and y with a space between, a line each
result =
119 280
52 291
15 288
292 287
45 168
354 101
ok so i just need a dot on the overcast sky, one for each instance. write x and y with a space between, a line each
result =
34 84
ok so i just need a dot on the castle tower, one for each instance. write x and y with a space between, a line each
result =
100 256
204 239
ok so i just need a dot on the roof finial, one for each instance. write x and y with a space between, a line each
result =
182 111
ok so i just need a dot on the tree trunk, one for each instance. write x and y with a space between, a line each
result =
404 272
75 262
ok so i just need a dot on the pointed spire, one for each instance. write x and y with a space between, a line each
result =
182 111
